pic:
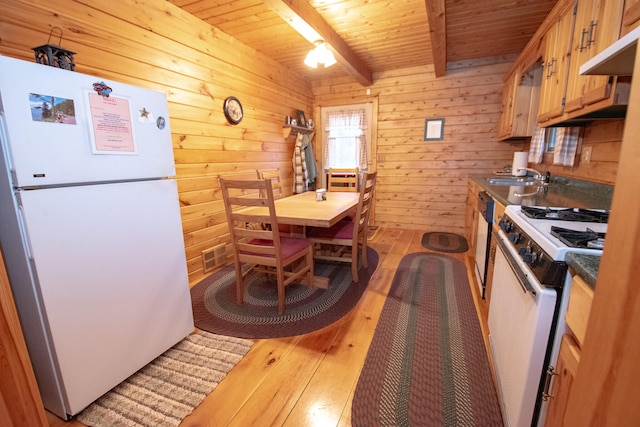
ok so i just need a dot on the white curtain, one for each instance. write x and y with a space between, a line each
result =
346 145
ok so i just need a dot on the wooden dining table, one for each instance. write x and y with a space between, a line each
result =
303 210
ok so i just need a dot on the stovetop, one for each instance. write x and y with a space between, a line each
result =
539 230
566 214
579 239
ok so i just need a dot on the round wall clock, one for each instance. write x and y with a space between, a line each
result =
233 110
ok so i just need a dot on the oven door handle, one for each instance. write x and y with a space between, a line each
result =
517 270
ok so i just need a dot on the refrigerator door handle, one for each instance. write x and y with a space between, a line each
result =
25 234
4 141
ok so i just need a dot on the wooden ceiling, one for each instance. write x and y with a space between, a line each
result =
371 36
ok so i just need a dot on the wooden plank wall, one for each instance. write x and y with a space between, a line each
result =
423 184
156 45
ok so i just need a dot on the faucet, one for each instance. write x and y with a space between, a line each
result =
537 177
542 180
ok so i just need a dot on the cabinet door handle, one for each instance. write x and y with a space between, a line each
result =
551 70
582 46
547 383
592 30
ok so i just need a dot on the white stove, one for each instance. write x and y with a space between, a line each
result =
529 298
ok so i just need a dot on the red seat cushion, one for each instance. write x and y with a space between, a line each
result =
342 230
289 245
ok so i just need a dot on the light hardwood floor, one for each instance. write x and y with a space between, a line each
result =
307 380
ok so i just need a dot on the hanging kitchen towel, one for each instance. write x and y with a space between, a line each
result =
566 146
536 149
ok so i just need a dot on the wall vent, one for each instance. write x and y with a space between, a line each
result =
213 257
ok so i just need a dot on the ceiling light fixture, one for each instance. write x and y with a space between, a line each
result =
320 55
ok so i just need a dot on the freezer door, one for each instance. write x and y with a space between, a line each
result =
110 263
59 130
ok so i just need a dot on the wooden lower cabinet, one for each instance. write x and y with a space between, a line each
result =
577 317
471 222
498 213
566 368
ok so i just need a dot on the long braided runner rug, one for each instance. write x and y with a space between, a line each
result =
305 310
427 364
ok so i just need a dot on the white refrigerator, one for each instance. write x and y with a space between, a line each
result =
90 228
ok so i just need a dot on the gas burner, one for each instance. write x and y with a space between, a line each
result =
579 239
571 214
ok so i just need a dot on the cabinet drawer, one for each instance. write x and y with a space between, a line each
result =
580 299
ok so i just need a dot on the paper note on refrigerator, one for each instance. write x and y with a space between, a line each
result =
111 124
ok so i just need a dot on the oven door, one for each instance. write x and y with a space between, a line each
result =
520 320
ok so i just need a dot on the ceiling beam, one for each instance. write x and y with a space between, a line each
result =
310 25
436 14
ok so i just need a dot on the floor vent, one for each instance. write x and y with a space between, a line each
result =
213 257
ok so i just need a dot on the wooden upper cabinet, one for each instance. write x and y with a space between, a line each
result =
520 99
506 114
556 65
573 33
597 25
631 18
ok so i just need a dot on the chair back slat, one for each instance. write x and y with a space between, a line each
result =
239 214
343 179
276 181
364 205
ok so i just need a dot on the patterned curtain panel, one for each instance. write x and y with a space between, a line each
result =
566 146
536 149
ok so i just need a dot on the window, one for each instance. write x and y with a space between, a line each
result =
550 139
345 137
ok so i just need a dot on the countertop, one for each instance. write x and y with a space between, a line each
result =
585 266
560 193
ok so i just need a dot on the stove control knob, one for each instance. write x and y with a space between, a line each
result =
530 258
505 225
515 237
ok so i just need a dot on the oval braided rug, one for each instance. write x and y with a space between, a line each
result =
305 310
445 242
427 364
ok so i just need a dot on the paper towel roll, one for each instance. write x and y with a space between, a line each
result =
520 159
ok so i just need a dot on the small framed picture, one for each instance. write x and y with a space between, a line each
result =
433 129
302 120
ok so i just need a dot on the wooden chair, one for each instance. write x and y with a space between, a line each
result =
343 180
276 181
348 238
265 250
278 192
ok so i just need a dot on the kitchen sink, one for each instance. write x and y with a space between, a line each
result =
513 180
